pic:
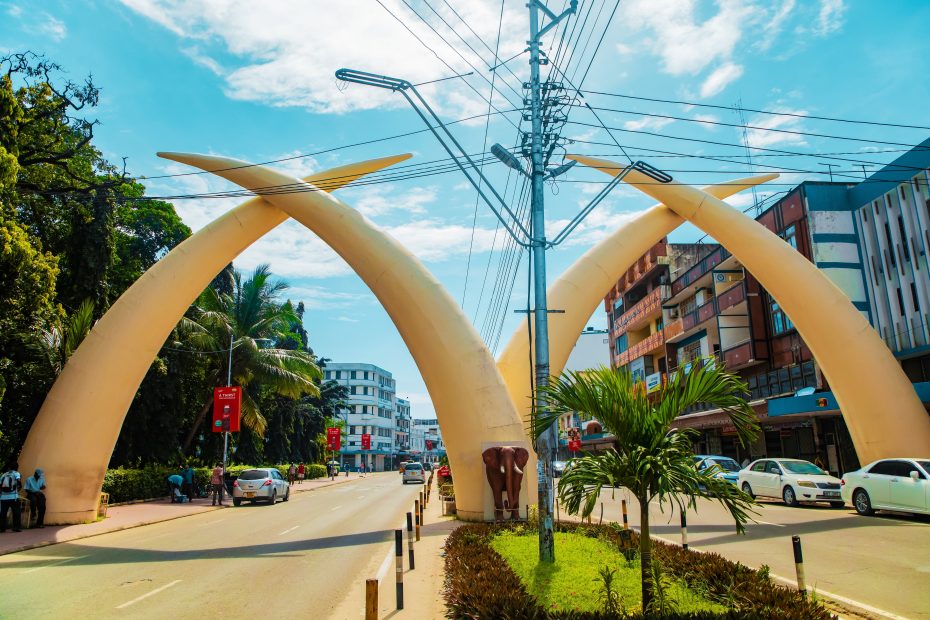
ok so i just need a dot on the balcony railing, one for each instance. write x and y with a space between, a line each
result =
673 329
703 313
738 355
733 296
699 269
641 348
641 309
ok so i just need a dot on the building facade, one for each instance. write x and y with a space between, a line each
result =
432 448
370 408
677 307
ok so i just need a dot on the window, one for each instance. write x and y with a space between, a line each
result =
790 236
689 352
772 468
355 374
900 300
659 324
890 247
780 321
621 343
760 466
907 253
884 468
914 297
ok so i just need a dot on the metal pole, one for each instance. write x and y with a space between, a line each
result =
540 318
371 599
684 530
225 430
410 559
417 513
399 566
799 564
626 521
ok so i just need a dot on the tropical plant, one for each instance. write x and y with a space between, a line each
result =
243 321
61 340
650 458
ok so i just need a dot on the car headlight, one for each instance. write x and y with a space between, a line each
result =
807 483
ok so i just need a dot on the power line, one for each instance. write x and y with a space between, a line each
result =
758 111
755 127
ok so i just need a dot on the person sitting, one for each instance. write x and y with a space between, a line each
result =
35 484
9 497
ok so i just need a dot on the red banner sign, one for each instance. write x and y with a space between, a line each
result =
366 441
332 439
429 444
444 472
574 445
227 406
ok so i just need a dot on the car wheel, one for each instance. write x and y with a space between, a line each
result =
748 490
274 497
862 503
788 495
838 504
287 495
237 501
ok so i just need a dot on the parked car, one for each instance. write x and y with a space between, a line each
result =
889 484
265 483
727 468
793 480
414 472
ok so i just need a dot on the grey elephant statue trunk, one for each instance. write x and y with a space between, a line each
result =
504 468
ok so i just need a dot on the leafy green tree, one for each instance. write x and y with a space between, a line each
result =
243 321
650 458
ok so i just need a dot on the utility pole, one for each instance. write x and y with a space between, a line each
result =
546 441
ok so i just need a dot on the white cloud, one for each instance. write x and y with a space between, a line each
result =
436 241
14 11
772 27
830 17
321 298
707 120
762 138
286 52
647 123
720 79
375 200
193 52
346 319
52 28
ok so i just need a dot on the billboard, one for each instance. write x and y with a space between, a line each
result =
227 408
366 441
333 437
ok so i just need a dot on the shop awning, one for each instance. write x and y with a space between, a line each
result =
824 402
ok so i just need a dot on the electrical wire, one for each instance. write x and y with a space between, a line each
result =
758 111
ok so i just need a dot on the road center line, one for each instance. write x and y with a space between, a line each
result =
148 594
288 530
335 508
32 570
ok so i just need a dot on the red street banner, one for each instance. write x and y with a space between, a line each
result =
429 444
366 441
227 405
574 445
443 472
332 439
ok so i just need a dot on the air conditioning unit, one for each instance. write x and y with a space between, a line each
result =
673 313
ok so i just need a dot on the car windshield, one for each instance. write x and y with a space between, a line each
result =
802 467
254 474
725 464
413 467
925 465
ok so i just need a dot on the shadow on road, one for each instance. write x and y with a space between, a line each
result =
89 555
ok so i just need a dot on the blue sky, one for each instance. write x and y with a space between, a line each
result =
225 77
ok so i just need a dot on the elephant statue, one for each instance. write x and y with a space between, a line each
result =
504 468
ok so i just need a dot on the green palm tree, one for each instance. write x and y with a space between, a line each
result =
651 459
244 320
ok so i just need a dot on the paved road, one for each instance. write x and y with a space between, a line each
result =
881 561
289 560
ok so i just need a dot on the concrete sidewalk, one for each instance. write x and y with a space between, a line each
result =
131 515
422 586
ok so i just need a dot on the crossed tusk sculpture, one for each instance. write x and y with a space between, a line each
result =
479 403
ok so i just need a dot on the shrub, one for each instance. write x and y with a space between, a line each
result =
127 485
480 584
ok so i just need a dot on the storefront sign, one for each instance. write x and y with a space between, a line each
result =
653 382
366 441
574 445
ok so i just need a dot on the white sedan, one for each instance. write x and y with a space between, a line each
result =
889 484
792 480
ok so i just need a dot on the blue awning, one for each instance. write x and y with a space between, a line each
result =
824 401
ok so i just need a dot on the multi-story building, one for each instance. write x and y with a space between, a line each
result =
432 448
401 430
871 239
590 351
370 408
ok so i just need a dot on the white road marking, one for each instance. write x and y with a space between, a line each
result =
767 523
148 594
213 522
32 570
288 530
842 599
335 508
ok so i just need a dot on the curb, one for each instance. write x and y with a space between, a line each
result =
49 543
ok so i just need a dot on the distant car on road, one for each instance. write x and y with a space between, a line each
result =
265 484
727 468
793 480
889 484
414 472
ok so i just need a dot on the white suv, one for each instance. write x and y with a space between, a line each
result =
414 472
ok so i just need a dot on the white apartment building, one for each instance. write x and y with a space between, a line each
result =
432 448
371 408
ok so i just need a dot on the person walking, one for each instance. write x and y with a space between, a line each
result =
216 484
9 497
187 488
301 473
35 484
291 474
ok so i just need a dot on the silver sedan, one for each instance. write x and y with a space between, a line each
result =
266 484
